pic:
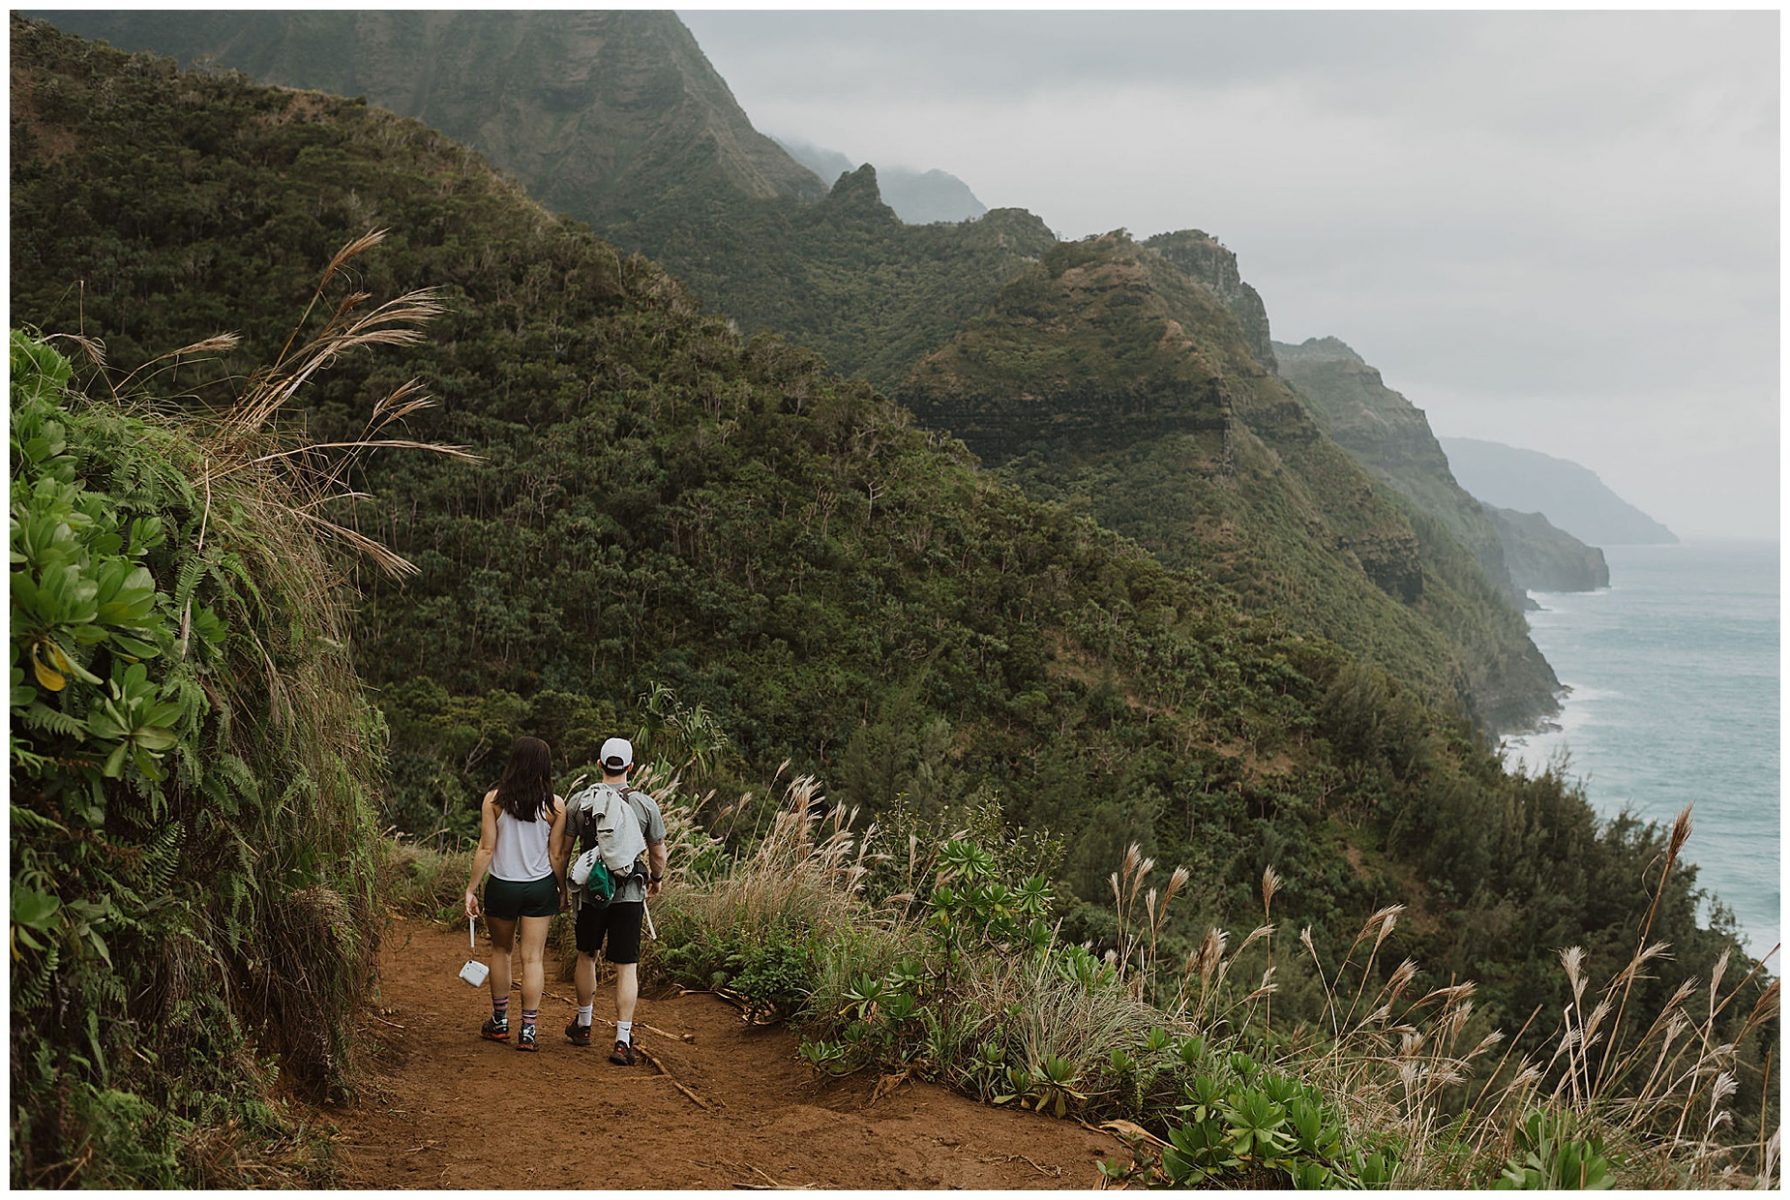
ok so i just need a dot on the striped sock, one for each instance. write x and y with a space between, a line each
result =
529 1015
584 1017
500 1010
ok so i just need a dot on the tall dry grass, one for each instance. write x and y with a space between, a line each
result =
1418 1065
1395 1059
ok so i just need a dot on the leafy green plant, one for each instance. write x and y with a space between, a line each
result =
1241 1122
1049 1086
193 844
1552 1158
775 978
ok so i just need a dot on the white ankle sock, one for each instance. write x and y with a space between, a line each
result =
622 1031
584 1013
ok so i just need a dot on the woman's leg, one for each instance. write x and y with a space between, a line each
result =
503 939
534 948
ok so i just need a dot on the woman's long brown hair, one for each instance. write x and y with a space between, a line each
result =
526 789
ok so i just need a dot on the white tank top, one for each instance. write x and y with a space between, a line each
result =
522 848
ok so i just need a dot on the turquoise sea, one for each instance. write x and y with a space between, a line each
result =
1674 677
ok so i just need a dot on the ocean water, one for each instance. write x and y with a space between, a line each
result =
1674 677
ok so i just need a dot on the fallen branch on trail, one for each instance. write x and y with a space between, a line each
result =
678 1083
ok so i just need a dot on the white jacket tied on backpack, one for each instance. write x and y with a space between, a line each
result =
603 812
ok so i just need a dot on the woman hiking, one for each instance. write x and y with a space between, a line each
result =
520 818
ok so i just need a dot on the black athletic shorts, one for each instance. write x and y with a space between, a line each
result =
619 923
507 899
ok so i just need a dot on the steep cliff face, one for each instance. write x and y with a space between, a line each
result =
1391 437
619 120
1108 379
1545 559
1203 257
601 113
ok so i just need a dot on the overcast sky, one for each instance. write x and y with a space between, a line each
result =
1556 230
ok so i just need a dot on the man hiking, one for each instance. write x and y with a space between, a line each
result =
612 927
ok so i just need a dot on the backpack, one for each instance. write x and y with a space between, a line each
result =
603 814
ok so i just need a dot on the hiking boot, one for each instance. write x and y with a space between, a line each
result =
525 1040
622 1055
578 1035
494 1030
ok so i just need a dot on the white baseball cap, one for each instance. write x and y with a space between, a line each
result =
617 754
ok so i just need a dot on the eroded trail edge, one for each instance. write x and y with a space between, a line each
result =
716 1104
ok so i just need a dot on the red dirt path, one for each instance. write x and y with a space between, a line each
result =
574 1121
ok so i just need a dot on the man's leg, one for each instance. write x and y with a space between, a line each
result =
584 976
627 991
624 955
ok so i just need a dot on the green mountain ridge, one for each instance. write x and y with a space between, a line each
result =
657 158
1110 379
600 112
846 277
1391 437
661 502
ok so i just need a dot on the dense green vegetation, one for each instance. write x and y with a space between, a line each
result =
1108 379
619 120
657 156
192 770
928 950
1391 437
605 114
664 504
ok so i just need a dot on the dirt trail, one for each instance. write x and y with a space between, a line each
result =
754 1114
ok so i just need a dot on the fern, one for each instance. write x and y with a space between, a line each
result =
161 860
50 720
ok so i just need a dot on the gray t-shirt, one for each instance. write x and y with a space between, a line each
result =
652 827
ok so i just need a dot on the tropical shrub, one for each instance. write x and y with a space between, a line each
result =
192 766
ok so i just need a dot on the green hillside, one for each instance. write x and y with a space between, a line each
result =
602 114
1390 437
1109 379
661 502
617 119
846 277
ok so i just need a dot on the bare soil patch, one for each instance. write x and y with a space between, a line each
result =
717 1103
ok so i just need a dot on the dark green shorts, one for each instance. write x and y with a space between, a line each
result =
507 900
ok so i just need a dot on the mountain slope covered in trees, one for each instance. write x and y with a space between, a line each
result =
1108 378
619 120
847 277
603 114
1391 437
662 502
